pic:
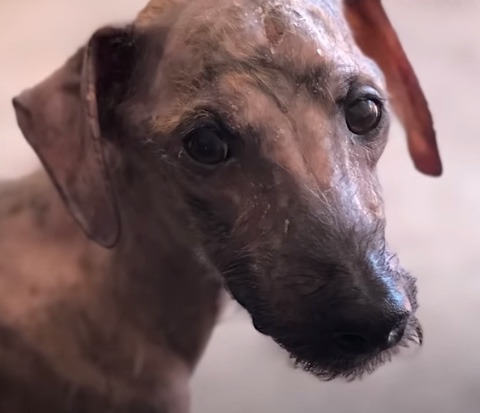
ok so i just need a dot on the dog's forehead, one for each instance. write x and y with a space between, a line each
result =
301 32
246 15
281 44
264 22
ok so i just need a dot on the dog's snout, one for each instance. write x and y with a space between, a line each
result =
362 334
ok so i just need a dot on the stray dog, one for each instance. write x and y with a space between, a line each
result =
210 145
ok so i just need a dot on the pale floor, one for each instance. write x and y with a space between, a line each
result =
434 224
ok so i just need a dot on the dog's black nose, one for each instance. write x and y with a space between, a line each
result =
365 336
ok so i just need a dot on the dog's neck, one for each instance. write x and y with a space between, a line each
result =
120 322
160 272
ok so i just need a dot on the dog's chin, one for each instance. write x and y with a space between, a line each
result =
328 364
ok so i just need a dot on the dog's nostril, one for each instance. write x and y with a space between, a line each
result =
352 343
396 335
363 338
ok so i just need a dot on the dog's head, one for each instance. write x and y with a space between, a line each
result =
264 121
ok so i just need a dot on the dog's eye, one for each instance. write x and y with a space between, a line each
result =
363 115
206 146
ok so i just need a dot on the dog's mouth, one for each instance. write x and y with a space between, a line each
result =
327 361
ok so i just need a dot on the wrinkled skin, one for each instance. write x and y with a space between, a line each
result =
289 218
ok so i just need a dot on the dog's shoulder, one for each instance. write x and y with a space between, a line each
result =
42 252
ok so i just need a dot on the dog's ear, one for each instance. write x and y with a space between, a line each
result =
377 38
59 117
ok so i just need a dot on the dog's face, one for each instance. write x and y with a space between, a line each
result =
272 130
267 122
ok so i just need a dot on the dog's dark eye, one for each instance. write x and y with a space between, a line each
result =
363 115
206 146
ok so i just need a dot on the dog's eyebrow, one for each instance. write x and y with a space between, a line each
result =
263 73
316 77
323 79
320 71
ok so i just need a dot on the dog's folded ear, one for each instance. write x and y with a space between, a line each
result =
60 120
378 40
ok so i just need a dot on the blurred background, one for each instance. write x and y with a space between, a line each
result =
434 224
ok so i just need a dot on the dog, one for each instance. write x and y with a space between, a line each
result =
208 147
